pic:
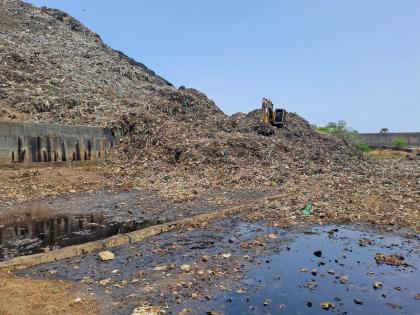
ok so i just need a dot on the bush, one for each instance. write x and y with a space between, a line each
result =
362 146
400 143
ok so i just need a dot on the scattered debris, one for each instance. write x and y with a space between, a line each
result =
365 242
272 236
318 253
343 279
186 268
149 310
377 285
394 306
358 301
327 305
308 209
392 260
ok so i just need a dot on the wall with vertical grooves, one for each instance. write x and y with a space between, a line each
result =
28 143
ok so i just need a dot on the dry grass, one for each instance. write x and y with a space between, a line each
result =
387 154
32 297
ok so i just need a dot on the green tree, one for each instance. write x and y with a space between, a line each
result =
340 129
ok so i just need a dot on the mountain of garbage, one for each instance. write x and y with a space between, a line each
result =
54 69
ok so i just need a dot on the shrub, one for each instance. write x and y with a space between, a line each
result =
362 146
400 143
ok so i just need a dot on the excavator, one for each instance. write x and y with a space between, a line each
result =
271 117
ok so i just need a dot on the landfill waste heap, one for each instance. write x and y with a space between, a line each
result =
54 69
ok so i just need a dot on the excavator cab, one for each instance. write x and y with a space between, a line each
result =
279 117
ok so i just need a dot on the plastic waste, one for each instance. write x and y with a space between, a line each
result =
308 209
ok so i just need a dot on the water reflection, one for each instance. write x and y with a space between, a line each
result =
30 233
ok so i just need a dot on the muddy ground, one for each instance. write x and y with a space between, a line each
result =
260 262
51 223
236 267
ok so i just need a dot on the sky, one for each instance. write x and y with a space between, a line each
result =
354 60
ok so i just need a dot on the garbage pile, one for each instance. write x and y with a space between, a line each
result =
194 152
54 69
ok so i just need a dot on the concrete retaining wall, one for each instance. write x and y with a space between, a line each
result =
28 144
377 140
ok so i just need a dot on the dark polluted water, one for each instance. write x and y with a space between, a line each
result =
329 270
31 233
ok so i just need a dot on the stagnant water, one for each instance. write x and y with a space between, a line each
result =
30 233
293 273
329 265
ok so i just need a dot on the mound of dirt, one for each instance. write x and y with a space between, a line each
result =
177 140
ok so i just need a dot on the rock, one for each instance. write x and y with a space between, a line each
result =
343 279
161 268
105 256
205 258
186 268
365 242
104 282
377 285
241 290
327 305
318 253
186 311
149 310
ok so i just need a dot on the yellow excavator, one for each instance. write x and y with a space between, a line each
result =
271 117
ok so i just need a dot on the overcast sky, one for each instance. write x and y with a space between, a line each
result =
326 60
